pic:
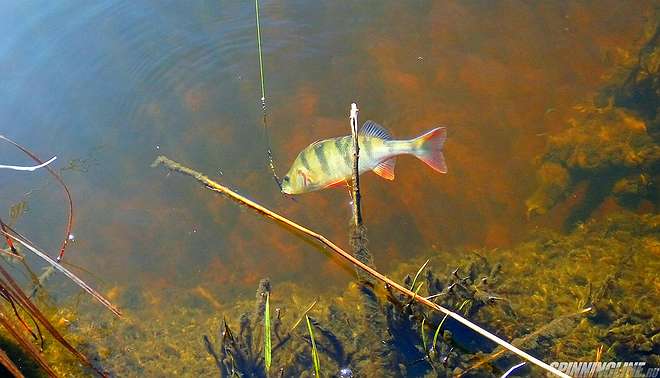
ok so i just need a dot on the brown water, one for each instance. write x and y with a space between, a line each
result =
117 83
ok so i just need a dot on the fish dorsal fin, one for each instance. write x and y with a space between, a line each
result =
386 169
313 145
372 129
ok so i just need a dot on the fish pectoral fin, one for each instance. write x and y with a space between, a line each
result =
336 184
385 169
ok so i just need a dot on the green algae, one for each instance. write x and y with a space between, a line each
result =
609 148
612 144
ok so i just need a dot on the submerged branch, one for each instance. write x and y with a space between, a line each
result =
69 222
13 290
357 211
66 272
214 186
6 323
10 244
358 232
8 364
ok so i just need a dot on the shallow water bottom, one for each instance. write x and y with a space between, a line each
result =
540 286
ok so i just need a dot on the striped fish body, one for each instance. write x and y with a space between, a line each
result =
329 162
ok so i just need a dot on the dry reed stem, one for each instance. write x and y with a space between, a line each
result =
82 284
69 222
9 365
214 186
15 291
26 344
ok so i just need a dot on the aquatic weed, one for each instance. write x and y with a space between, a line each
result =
315 353
267 340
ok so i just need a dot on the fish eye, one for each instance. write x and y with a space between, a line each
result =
286 179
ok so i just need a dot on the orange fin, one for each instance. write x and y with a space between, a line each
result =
385 169
428 148
335 184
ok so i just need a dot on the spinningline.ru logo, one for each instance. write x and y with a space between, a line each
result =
606 369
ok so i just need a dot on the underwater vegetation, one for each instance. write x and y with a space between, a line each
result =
364 333
612 145
21 320
591 294
588 295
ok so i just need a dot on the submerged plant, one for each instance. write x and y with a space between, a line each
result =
16 301
249 353
315 353
11 292
611 145
267 341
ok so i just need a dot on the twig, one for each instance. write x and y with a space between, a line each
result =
307 310
10 243
514 367
545 331
31 349
9 365
358 232
66 272
29 169
214 186
14 290
357 211
69 222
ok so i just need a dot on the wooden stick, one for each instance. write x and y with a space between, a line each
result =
214 186
357 211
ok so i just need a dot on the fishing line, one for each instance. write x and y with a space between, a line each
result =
269 152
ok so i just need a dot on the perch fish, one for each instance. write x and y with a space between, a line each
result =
329 162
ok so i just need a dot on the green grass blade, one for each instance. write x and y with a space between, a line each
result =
423 335
437 332
418 273
418 287
267 340
315 353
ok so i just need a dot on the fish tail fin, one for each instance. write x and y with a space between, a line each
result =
428 148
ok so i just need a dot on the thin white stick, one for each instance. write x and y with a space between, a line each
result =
30 169
354 118
514 367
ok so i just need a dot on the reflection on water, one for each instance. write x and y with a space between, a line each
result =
107 86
